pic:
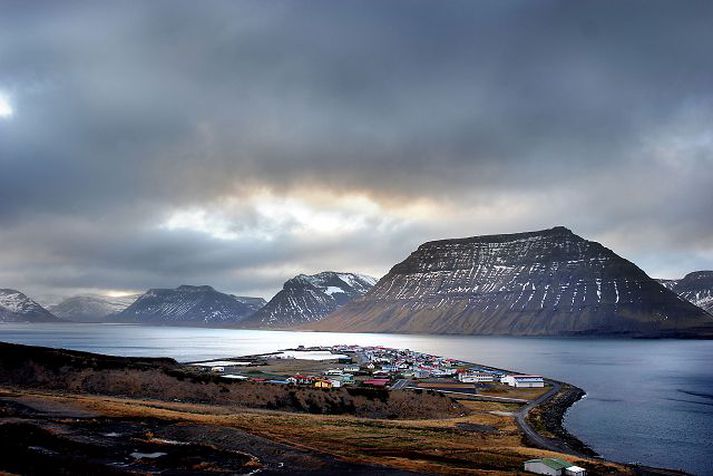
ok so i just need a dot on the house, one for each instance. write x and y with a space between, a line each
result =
524 381
218 370
299 379
421 373
553 467
475 377
376 382
323 384
345 378
352 369
334 372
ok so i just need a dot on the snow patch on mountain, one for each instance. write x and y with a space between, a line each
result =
17 307
309 298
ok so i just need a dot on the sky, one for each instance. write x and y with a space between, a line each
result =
238 143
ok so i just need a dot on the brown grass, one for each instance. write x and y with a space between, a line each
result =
432 446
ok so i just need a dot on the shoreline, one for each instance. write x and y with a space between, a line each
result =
543 415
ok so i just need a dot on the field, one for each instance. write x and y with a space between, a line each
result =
481 442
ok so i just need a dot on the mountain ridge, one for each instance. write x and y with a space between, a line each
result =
189 305
696 287
547 282
308 298
91 307
15 306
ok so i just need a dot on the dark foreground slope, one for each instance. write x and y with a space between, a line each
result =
164 379
549 282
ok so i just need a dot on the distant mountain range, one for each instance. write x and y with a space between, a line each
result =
549 282
16 307
696 287
189 305
308 298
91 308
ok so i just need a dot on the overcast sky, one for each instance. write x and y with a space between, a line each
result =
238 143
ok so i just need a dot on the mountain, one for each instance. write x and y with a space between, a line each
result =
695 287
308 298
549 282
190 305
91 308
16 307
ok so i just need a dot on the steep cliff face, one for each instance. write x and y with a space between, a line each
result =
17 307
696 287
189 305
308 298
549 282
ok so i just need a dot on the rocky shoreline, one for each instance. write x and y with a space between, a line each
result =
548 419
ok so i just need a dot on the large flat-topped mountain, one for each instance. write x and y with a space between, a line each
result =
17 307
190 305
308 298
696 287
549 282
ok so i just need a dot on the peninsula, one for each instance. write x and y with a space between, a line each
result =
366 410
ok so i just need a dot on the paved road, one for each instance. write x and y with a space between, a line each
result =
534 437
400 384
521 417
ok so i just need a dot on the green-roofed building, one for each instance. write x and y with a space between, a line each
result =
553 467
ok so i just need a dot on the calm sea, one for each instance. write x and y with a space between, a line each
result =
649 401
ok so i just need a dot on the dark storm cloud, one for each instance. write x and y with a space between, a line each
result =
501 116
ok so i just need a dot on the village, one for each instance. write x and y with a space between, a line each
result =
368 366
387 368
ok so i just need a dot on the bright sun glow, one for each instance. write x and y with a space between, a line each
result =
5 108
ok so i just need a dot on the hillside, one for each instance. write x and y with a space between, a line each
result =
696 287
549 282
17 307
91 308
308 298
189 305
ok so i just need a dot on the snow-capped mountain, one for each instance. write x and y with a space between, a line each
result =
91 308
696 287
190 305
16 307
549 282
308 298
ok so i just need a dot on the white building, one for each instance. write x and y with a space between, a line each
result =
475 377
575 471
524 381
552 467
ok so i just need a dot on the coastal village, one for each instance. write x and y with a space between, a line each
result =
367 366
387 368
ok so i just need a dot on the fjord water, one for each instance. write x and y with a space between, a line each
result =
648 401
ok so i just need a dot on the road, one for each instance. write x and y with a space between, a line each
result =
400 384
521 416
534 437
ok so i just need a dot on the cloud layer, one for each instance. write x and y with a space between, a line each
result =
239 143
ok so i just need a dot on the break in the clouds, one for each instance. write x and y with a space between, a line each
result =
237 143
